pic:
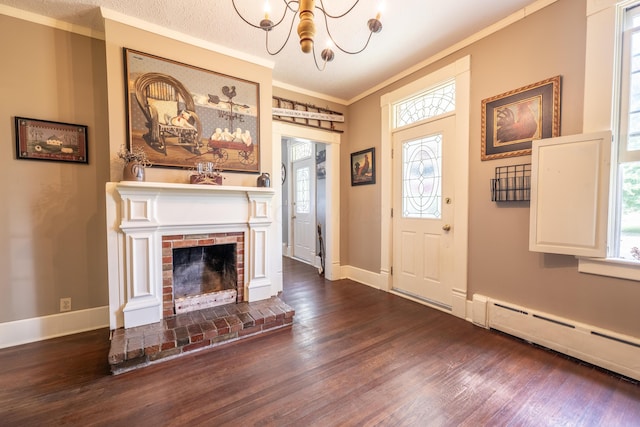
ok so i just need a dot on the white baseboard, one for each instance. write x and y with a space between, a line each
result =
607 349
362 276
478 310
382 281
56 325
286 250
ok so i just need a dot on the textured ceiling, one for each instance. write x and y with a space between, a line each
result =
413 30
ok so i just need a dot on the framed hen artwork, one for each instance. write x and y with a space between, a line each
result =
363 167
510 121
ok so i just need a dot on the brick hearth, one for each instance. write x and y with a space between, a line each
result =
181 334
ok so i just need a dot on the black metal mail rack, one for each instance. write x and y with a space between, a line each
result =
512 183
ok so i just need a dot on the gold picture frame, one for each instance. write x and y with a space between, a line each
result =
512 120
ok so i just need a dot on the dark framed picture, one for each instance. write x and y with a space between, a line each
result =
46 140
510 121
363 167
180 115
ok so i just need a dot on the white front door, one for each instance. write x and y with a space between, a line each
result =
304 218
423 211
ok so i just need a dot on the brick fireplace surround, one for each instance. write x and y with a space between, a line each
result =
169 243
143 219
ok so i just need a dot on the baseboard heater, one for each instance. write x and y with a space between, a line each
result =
603 348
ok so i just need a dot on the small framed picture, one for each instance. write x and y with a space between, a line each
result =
46 140
512 120
363 167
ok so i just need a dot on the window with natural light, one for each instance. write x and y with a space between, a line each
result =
625 243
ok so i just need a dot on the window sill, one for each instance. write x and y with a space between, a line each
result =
611 267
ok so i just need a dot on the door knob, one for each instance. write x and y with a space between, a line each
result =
446 227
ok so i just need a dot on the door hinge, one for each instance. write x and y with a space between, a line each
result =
392 153
391 212
392 270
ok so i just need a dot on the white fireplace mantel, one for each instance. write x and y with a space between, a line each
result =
140 213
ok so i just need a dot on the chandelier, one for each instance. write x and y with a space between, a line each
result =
307 10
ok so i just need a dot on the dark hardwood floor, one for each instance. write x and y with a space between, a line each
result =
354 356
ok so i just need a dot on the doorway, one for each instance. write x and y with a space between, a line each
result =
423 195
331 188
458 72
303 201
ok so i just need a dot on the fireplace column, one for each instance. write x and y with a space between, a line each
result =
259 241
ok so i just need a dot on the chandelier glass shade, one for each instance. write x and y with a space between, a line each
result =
307 11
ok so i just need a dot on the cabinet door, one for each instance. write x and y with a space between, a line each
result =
570 194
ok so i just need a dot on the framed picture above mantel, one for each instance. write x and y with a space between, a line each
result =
181 115
512 120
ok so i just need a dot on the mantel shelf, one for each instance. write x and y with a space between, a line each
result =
190 188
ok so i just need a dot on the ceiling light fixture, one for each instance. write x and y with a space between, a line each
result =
306 10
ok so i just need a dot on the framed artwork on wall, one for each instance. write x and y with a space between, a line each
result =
181 115
363 167
46 140
511 120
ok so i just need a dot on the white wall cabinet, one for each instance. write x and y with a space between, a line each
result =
570 194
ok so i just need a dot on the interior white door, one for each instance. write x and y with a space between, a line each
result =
304 217
423 204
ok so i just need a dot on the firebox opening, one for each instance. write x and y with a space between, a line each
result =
204 270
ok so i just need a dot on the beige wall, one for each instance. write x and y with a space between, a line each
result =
53 225
547 43
52 222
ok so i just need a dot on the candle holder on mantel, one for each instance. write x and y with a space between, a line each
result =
208 174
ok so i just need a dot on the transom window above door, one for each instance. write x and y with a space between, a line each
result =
431 103
301 150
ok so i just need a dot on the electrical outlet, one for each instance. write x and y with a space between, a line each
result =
65 304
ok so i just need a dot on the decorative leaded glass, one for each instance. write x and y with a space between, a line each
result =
303 191
427 105
422 177
301 150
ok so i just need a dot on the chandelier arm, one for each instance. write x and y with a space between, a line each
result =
322 9
348 52
287 4
284 15
233 2
315 60
293 19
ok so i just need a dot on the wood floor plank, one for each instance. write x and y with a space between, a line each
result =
354 356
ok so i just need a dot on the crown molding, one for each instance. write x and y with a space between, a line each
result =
50 22
307 92
176 35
